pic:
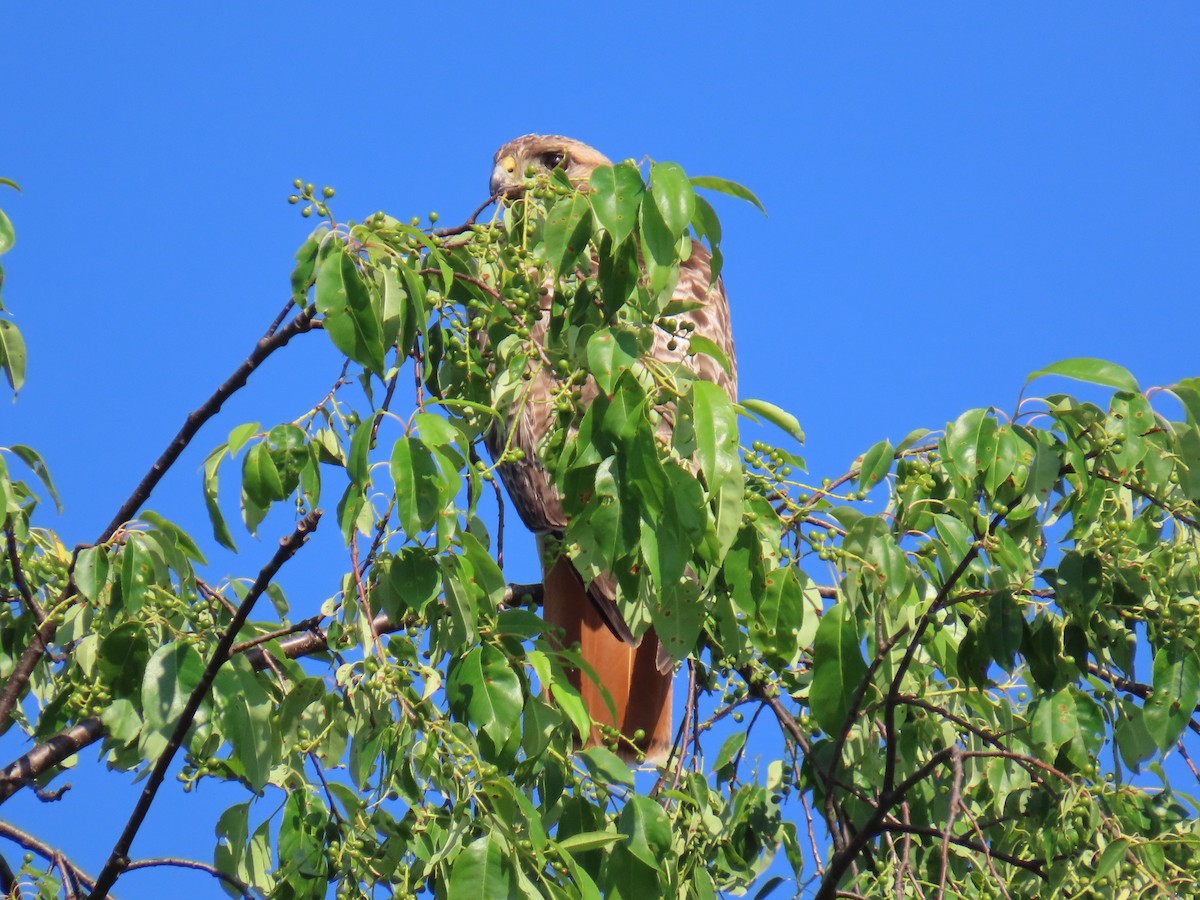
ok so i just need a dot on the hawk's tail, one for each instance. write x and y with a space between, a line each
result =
631 676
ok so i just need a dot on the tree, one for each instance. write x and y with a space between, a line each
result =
967 646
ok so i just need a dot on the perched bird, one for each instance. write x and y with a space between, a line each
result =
636 674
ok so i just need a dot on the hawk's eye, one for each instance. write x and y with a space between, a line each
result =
553 159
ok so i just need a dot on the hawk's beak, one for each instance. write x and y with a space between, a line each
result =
504 176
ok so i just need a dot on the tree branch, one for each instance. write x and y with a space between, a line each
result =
44 636
302 639
235 883
33 845
43 757
118 860
199 416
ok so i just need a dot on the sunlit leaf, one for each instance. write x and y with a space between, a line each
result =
616 193
778 417
725 186
673 196
12 354
8 235
38 466
1094 371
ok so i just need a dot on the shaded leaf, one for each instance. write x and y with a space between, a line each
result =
838 667
479 872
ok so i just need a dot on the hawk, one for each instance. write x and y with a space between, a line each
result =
637 675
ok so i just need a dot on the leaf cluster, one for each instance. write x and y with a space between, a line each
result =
968 650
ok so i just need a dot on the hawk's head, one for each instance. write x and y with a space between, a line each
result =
540 154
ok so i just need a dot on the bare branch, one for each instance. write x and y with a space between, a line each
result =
235 883
48 853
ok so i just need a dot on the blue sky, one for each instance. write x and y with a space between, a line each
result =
959 194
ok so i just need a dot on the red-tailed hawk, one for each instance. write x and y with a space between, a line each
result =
637 675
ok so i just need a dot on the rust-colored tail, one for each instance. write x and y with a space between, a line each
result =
640 692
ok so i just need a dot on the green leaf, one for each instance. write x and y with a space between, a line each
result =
414 579
780 615
647 828
91 572
8 236
260 477
212 501
1113 856
776 416
568 228
239 435
732 188
306 261
610 353
838 668
876 463
483 688
1055 721
1176 680
659 244
606 767
343 298
183 540
121 721
732 746
590 840
416 478
243 713
1094 371
698 343
38 466
714 420
479 872
1005 629
358 459
124 654
673 197
616 193
706 223
960 446
12 354
678 615
172 673
138 572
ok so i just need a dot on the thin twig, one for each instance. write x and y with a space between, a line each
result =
235 883
18 576
955 799
44 850
44 635
45 756
465 226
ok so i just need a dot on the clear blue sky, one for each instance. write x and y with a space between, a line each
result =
958 193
